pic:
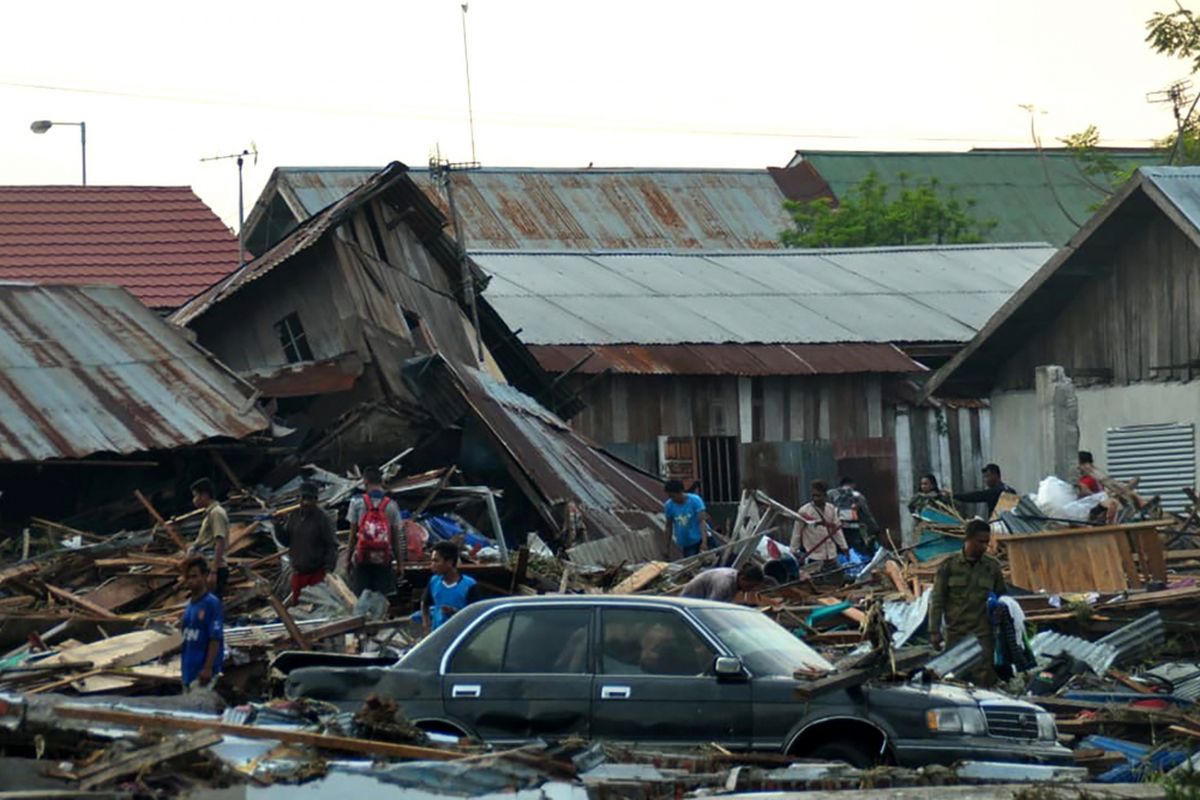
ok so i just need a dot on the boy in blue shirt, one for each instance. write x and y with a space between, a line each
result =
686 519
203 629
448 591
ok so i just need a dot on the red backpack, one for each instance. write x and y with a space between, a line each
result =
374 545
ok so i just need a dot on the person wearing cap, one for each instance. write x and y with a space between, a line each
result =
312 542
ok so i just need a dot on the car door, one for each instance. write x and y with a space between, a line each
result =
655 683
522 673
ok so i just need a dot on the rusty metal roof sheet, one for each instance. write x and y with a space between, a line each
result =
572 209
905 294
543 451
89 369
726 359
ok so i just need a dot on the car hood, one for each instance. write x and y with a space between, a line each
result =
934 695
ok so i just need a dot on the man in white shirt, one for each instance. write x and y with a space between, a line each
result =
818 533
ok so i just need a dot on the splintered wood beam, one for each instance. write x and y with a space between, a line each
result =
76 600
158 518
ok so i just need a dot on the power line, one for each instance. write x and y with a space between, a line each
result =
510 120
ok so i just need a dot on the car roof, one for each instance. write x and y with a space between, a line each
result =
604 599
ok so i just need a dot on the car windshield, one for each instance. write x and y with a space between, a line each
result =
765 647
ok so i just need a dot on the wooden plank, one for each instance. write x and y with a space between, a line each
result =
124 650
1155 564
1133 580
158 518
638 580
145 757
1152 524
339 587
322 741
74 599
519 573
292 628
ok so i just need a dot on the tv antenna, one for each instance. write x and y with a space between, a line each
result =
467 66
241 160
1178 94
439 172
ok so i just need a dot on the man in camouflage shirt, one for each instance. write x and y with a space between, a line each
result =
960 596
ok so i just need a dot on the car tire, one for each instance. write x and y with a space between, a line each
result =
849 752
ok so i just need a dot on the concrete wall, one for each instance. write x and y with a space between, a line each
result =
1015 425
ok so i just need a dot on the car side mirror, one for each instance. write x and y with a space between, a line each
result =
728 667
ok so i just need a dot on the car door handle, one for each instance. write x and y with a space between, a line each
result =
614 692
466 690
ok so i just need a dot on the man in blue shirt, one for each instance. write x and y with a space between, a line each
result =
448 591
203 629
686 519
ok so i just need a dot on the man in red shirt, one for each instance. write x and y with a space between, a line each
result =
1088 484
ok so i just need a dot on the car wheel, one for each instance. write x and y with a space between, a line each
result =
851 753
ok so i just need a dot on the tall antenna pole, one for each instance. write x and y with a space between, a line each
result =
241 160
467 65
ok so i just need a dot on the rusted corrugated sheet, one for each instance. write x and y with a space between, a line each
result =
316 377
726 359
522 208
544 454
89 369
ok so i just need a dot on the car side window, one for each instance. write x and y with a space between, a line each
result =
549 640
482 652
651 642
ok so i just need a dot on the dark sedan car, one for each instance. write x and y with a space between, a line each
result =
669 671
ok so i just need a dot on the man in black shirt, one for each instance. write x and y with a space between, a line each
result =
993 487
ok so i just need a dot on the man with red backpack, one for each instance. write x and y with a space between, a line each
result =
376 546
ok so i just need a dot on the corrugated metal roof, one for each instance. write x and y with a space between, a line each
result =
725 359
1181 185
160 242
1009 186
89 369
916 294
395 175
573 209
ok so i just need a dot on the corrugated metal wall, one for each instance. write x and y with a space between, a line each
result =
1163 457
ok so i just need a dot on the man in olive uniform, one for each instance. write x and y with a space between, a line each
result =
960 596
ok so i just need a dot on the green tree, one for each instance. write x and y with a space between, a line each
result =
871 214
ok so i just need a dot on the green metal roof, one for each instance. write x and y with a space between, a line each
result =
1008 186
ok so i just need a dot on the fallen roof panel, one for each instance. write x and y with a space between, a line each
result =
89 369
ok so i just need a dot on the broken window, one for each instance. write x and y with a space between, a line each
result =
293 339
717 469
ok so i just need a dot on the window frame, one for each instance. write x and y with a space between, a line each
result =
293 339
473 632
716 648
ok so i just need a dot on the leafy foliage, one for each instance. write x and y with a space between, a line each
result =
871 214
1175 34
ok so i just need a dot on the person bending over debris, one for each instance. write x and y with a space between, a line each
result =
312 542
375 544
960 595
214 531
686 519
993 487
203 629
818 532
724 583
448 591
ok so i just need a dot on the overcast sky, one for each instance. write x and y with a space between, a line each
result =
616 83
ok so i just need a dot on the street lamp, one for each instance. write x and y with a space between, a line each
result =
43 125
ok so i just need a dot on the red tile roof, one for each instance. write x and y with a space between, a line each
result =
162 243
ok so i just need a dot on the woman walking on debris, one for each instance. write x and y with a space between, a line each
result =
929 494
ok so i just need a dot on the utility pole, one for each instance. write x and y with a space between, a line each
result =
241 160
440 171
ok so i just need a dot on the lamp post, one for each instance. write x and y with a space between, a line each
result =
43 125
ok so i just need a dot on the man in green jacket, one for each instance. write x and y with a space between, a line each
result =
960 595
